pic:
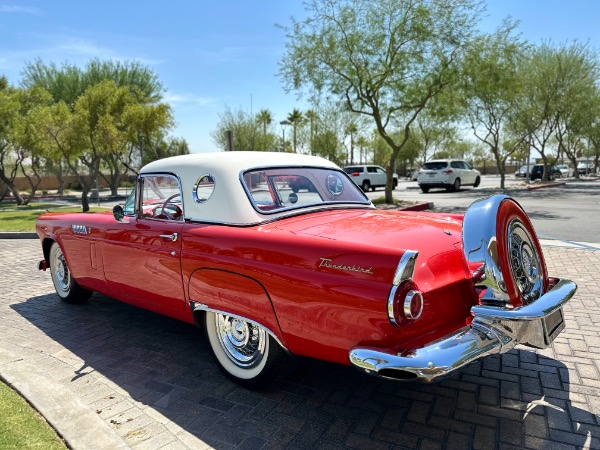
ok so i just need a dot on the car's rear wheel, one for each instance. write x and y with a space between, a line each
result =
425 189
456 185
66 287
366 186
477 182
243 350
395 183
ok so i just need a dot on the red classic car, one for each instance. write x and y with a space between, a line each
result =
278 254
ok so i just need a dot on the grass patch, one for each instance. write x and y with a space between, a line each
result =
24 220
381 201
21 427
34 205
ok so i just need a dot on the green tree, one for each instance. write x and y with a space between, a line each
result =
385 59
68 82
313 118
246 132
578 105
18 152
492 82
351 131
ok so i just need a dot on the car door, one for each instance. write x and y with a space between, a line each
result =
141 253
468 173
380 174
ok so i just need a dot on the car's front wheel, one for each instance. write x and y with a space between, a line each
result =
66 287
477 182
425 189
243 350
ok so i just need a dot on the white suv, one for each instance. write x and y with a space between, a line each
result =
369 177
448 173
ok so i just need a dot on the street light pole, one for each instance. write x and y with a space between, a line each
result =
283 124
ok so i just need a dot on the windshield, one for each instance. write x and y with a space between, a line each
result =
273 190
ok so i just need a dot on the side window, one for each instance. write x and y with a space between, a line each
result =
468 166
161 198
129 208
456 165
380 170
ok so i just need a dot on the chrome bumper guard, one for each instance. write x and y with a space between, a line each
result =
493 330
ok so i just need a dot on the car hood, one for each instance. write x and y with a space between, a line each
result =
437 237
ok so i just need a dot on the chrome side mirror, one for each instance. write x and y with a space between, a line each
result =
118 213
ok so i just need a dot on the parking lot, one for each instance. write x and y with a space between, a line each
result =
570 212
150 381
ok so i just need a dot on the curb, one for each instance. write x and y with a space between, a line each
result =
542 186
418 207
18 235
76 423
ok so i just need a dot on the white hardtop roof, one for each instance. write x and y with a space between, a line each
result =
229 202
234 162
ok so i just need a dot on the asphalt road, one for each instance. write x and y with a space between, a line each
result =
570 212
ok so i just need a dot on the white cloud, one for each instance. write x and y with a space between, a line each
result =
186 99
19 9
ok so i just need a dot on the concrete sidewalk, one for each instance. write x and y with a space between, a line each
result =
107 375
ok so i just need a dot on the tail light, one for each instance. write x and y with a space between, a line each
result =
447 172
406 303
355 174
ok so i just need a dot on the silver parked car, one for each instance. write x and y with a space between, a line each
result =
450 174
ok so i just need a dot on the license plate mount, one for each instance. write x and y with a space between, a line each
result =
553 323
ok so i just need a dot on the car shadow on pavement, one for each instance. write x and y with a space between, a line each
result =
520 399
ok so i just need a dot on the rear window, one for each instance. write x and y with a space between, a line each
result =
277 189
354 169
437 165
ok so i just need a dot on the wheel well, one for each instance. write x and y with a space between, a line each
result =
46 245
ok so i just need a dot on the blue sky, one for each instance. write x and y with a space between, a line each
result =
210 55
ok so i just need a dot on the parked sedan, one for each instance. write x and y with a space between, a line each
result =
449 174
225 241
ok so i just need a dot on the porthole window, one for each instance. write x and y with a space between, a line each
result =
335 185
203 188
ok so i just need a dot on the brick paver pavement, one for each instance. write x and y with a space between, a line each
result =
152 379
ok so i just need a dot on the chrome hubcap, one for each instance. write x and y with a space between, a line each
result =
524 262
61 271
243 342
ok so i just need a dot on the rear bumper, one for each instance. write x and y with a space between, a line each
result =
493 330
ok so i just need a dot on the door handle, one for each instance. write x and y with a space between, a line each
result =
173 237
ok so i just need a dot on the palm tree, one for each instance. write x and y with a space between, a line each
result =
295 118
265 118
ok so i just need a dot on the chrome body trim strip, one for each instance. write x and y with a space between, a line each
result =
195 306
406 267
493 330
